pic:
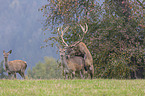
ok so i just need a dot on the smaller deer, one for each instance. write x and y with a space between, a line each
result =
15 66
71 65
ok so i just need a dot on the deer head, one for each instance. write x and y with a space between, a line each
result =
6 54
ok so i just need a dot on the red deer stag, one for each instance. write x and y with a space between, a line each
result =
71 65
80 49
15 66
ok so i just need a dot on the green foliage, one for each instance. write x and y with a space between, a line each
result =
72 13
67 11
116 36
120 40
45 70
96 87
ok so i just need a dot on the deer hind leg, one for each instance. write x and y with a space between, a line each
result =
22 74
81 74
91 69
86 73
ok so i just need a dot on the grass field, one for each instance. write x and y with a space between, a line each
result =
96 87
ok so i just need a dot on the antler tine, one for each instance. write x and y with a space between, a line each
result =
86 28
82 28
58 31
61 35
85 31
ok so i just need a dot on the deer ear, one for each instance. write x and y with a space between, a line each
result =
10 51
3 51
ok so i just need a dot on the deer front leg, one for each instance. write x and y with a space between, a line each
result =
22 74
65 74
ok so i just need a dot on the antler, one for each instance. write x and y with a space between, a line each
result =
62 33
85 31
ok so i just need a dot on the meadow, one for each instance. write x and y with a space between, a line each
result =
77 87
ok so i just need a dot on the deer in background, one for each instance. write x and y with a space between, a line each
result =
80 49
71 65
15 66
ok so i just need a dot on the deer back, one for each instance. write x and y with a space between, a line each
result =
17 65
83 49
76 63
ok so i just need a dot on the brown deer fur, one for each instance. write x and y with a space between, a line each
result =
71 65
82 50
15 66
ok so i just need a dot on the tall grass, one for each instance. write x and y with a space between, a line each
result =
96 87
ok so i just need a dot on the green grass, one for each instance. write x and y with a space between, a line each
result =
96 87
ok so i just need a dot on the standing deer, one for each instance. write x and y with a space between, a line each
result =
80 49
71 65
15 66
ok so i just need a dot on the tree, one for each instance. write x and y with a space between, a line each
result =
116 33
121 41
45 70
72 13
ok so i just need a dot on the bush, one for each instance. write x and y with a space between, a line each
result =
45 70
